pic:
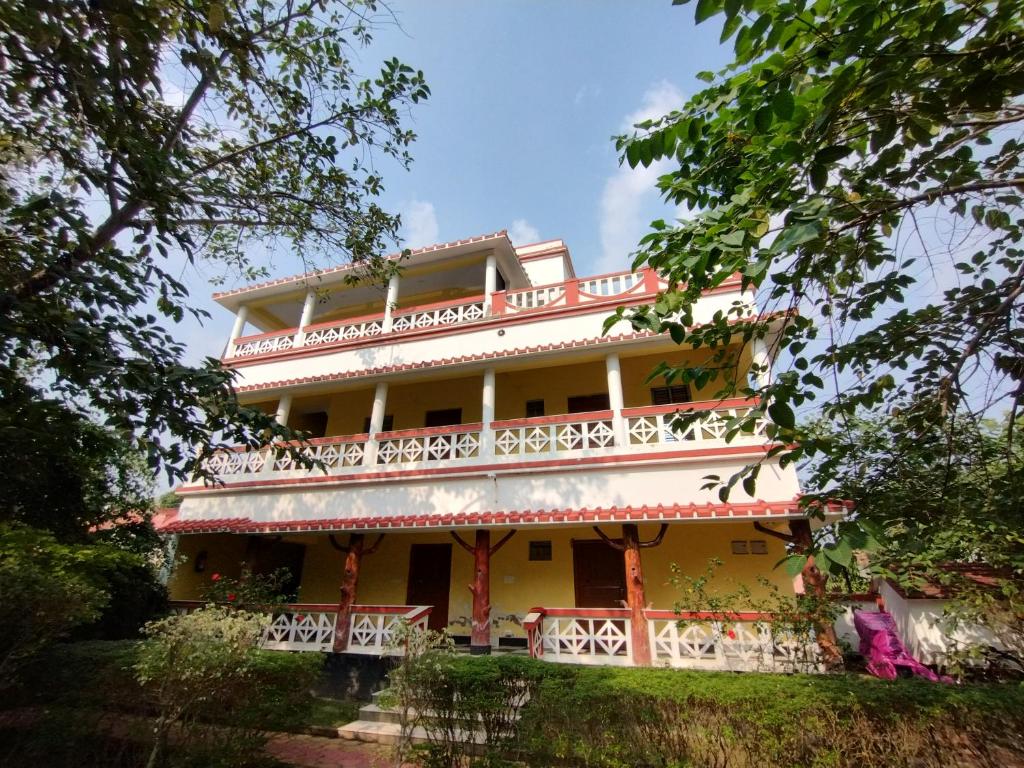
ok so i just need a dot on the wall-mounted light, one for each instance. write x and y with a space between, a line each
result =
501 331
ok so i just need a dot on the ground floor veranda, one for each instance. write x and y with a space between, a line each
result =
564 593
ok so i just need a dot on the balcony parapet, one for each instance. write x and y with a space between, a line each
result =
572 295
501 444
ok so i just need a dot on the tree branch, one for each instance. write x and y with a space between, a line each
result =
501 543
613 543
462 543
789 539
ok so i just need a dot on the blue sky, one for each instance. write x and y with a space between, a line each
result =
517 133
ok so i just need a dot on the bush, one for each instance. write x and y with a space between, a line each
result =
656 717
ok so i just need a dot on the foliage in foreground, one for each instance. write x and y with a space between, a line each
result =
853 151
618 717
85 687
49 590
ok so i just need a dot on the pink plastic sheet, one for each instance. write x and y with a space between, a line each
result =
883 649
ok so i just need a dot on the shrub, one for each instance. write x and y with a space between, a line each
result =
203 666
655 717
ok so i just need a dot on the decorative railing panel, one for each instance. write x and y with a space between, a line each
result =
607 286
534 298
581 636
237 462
655 427
447 314
346 330
373 628
742 643
297 629
262 345
335 453
417 445
524 437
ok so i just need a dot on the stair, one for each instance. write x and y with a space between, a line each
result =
382 725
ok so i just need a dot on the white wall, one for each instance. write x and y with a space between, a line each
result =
546 271
524 490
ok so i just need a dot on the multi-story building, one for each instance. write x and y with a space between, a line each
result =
489 461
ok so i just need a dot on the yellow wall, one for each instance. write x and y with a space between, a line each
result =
635 371
409 402
517 584
224 555
552 385
348 411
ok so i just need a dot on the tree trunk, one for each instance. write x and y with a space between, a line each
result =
480 640
349 582
635 599
814 584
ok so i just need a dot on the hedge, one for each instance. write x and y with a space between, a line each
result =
612 717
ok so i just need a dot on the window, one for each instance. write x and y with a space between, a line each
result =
540 550
751 547
667 395
443 417
314 424
387 426
534 408
585 403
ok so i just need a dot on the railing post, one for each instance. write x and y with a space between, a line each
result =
615 399
486 430
241 318
638 630
761 360
650 281
572 292
380 400
498 303
490 281
307 317
284 409
389 304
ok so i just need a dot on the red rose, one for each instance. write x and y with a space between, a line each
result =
231 597
732 634
299 617
215 577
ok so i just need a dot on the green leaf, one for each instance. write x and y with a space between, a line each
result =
782 414
782 105
832 154
763 119
706 9
794 565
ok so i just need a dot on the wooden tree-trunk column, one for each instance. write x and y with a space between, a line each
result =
349 582
480 639
815 583
635 599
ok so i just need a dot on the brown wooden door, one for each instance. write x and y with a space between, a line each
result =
600 574
430 578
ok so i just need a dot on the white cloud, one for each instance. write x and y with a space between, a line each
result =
419 224
523 232
630 200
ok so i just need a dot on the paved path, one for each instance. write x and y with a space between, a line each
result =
320 752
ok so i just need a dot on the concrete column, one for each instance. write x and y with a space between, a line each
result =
615 399
761 357
306 318
487 431
241 318
490 281
284 408
389 303
380 402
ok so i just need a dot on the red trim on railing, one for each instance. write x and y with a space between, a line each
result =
344 321
451 429
424 611
698 405
651 613
559 418
294 607
478 299
379 609
584 613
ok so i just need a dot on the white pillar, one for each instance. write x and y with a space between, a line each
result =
490 281
389 303
284 409
241 318
487 411
307 316
761 359
380 402
615 399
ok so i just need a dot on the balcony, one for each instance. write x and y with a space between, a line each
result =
642 432
595 293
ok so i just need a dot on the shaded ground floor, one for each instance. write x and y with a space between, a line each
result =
580 593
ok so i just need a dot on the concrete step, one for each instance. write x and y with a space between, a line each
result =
377 714
376 732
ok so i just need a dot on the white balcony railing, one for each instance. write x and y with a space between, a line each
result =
646 430
738 642
373 627
599 290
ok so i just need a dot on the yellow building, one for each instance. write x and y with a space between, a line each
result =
490 462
